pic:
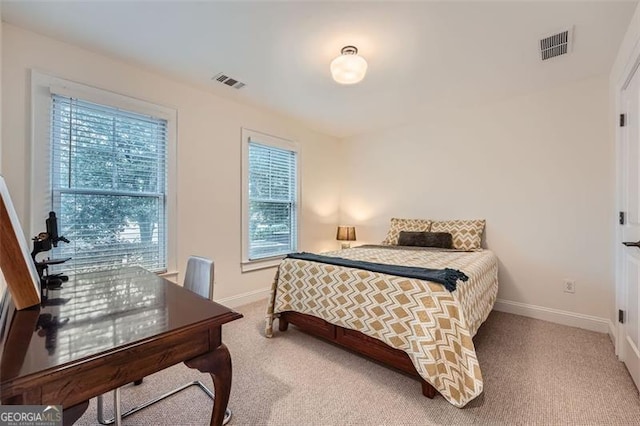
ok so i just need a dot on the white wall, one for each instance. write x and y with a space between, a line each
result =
538 168
209 152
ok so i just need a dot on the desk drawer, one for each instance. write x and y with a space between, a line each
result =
102 374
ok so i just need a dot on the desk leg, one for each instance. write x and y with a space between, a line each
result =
72 414
218 364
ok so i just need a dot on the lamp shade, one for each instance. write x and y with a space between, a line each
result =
346 233
349 67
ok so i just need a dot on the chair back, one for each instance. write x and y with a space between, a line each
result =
199 276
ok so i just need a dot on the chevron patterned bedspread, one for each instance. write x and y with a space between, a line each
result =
433 326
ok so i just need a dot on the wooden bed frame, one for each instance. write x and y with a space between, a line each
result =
355 341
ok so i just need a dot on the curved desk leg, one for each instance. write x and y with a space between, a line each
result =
218 364
72 414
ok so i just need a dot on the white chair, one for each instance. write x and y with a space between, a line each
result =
199 279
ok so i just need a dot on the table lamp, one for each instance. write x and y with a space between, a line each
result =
346 233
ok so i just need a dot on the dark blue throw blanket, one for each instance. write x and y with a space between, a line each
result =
447 277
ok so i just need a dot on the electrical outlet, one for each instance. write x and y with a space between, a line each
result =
569 286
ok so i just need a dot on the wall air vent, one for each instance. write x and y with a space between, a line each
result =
556 45
228 81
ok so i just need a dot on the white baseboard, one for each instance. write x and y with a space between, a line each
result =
244 298
588 322
613 332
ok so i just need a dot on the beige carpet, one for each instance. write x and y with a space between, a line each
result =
535 372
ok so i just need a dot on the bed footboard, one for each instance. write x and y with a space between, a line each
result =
356 342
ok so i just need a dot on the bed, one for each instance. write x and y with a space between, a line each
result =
412 324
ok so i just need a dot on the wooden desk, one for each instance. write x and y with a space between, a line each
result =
104 330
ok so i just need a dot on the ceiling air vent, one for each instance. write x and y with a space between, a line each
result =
556 45
228 81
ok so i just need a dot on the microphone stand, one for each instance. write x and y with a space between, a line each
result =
43 242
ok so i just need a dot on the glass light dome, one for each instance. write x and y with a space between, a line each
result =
349 67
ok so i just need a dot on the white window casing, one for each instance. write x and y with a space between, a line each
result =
131 147
270 199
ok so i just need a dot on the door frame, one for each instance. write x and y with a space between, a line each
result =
632 66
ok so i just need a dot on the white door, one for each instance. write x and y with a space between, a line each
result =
629 255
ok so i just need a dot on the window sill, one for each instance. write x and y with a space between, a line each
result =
171 275
254 265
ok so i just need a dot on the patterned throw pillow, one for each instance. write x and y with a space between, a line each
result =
397 225
467 234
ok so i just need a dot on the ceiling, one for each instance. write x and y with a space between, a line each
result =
423 56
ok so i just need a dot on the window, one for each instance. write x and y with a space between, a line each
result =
270 202
106 170
108 185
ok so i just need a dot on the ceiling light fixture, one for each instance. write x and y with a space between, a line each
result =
349 67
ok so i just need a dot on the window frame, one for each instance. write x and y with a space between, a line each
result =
42 87
275 142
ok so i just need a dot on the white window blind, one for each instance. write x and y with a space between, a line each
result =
273 201
109 180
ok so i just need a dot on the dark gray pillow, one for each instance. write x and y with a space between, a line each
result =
426 239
